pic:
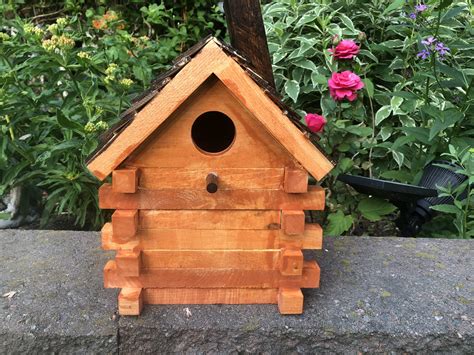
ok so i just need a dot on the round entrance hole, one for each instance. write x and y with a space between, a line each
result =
213 132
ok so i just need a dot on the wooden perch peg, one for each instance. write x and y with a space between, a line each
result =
211 183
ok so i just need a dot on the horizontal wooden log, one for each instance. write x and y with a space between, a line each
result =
209 219
192 239
229 178
211 278
210 296
222 200
208 259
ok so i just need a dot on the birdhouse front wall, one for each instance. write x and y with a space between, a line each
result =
178 243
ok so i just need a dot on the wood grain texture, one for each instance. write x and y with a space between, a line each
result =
125 180
295 180
172 146
210 296
293 222
291 262
290 301
124 224
130 301
209 219
229 178
129 262
271 117
178 199
211 60
211 278
247 35
212 259
108 242
215 239
157 111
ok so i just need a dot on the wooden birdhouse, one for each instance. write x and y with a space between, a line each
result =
209 186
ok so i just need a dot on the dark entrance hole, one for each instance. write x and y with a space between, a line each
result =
213 132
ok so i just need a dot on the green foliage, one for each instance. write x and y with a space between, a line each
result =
410 110
64 81
463 195
374 209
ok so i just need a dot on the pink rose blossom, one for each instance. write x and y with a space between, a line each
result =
344 85
346 49
315 122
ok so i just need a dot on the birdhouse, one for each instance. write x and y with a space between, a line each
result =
209 183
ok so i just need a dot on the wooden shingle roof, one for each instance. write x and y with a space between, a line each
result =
103 168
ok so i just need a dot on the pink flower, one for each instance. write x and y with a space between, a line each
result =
346 49
315 122
344 85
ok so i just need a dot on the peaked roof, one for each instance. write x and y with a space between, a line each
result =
170 89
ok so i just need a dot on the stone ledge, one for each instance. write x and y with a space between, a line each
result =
377 295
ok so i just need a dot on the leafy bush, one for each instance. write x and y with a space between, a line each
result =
64 82
69 68
417 66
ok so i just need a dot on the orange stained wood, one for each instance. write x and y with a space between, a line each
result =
215 239
210 219
211 278
125 180
130 301
295 180
212 60
209 259
124 225
293 222
128 262
172 145
291 262
229 178
210 296
179 199
290 301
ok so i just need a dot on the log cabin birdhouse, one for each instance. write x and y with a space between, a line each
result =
209 186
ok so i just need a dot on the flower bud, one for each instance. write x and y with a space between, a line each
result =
362 36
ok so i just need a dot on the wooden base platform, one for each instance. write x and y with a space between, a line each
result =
131 300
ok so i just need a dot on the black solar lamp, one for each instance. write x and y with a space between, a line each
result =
414 202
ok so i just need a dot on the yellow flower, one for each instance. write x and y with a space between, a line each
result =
84 55
49 45
111 69
4 37
126 82
89 127
62 21
99 111
101 126
60 42
53 28
65 42
109 78
32 30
